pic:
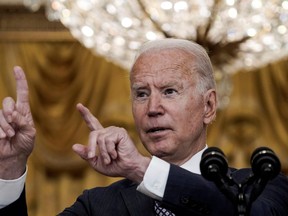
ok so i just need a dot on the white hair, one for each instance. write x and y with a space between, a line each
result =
200 58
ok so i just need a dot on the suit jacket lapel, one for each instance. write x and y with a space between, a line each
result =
137 203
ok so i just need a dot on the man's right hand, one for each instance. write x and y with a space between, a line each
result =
17 131
110 150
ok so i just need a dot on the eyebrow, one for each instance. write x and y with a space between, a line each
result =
138 86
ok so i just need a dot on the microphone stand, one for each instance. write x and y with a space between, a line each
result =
238 199
224 183
243 205
241 202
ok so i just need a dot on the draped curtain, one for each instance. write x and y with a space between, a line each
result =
62 74
256 115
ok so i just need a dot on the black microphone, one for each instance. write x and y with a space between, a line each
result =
213 164
265 163
214 167
265 166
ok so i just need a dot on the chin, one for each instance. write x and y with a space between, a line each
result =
161 154
160 148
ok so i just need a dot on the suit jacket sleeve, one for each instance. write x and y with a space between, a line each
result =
187 193
273 200
17 208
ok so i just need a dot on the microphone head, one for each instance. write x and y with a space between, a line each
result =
213 164
265 163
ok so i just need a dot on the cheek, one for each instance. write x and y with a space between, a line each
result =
191 117
184 113
137 112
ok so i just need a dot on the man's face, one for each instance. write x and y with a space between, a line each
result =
168 109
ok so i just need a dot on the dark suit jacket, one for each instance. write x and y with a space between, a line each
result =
186 194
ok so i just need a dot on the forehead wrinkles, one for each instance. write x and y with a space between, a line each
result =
177 63
164 77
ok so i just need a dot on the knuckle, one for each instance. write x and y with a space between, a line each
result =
122 130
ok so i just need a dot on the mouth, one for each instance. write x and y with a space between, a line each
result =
156 129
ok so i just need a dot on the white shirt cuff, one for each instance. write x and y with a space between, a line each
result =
155 179
10 190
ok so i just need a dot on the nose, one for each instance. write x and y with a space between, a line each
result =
155 106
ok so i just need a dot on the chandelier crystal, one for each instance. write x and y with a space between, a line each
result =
237 34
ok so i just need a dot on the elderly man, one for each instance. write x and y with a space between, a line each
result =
173 101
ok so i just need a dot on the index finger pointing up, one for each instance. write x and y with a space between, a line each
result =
90 120
22 101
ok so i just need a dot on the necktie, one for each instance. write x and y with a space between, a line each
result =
162 211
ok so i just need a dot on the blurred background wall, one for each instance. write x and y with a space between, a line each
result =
62 73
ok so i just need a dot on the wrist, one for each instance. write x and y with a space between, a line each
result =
137 174
12 168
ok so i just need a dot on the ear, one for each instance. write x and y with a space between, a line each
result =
210 101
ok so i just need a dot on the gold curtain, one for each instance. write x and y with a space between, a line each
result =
256 115
61 74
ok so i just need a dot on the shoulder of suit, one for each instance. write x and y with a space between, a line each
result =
116 186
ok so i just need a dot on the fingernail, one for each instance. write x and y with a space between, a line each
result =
9 119
10 133
2 135
107 161
90 154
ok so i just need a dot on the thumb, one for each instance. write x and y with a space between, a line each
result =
81 150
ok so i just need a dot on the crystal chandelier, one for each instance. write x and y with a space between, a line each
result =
237 34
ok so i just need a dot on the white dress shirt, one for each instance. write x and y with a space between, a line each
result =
156 175
10 190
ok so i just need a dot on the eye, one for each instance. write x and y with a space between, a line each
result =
141 94
170 91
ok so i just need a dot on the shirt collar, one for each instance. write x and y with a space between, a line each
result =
193 164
